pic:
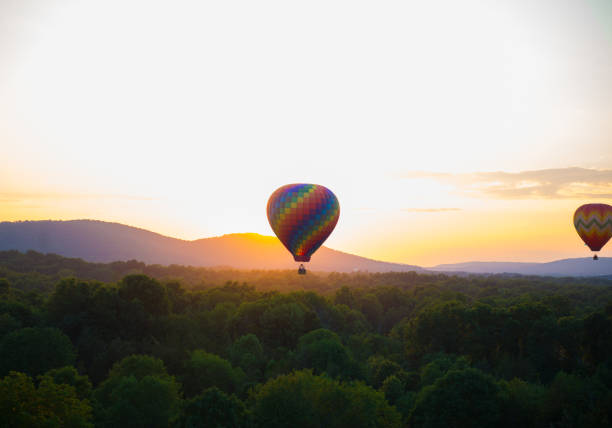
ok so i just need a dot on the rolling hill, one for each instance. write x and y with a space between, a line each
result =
568 267
99 241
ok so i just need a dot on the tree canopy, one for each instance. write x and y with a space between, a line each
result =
129 344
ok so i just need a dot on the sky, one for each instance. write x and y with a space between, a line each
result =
449 131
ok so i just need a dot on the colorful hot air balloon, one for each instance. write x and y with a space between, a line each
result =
593 223
303 216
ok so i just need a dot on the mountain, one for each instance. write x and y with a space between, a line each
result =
99 241
567 267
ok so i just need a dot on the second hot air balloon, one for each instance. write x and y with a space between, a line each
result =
303 216
593 222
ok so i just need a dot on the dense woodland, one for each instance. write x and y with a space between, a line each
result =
130 345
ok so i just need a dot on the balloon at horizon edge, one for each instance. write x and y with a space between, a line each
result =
593 222
302 216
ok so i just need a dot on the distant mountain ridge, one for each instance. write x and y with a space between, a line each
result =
567 267
98 241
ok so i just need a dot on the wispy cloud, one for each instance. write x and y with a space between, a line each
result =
559 183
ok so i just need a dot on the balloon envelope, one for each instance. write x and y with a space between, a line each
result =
303 216
593 223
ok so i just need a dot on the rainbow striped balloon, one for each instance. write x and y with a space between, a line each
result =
593 223
303 216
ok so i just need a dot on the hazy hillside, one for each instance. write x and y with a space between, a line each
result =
99 241
568 267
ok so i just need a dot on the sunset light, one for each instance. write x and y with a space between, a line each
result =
305 214
183 118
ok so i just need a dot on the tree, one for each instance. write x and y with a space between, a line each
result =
137 393
344 296
304 400
322 351
176 297
69 376
278 321
439 365
22 404
347 321
380 368
25 315
248 354
5 287
284 323
461 398
576 401
570 339
372 309
214 408
393 388
35 350
440 328
214 327
522 403
248 319
365 345
69 304
148 291
138 366
597 334
8 324
203 370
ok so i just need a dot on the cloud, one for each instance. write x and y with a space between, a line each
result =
429 210
559 183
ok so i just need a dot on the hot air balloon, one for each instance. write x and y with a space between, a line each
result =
303 216
593 223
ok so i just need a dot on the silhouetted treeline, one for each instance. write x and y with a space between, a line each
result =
40 272
352 350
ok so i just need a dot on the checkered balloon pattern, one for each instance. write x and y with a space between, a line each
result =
593 223
303 216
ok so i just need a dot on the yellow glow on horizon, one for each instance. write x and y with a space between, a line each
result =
421 238
542 233
184 117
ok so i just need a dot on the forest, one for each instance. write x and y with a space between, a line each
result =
126 344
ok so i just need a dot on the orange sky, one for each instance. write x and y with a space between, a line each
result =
450 132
